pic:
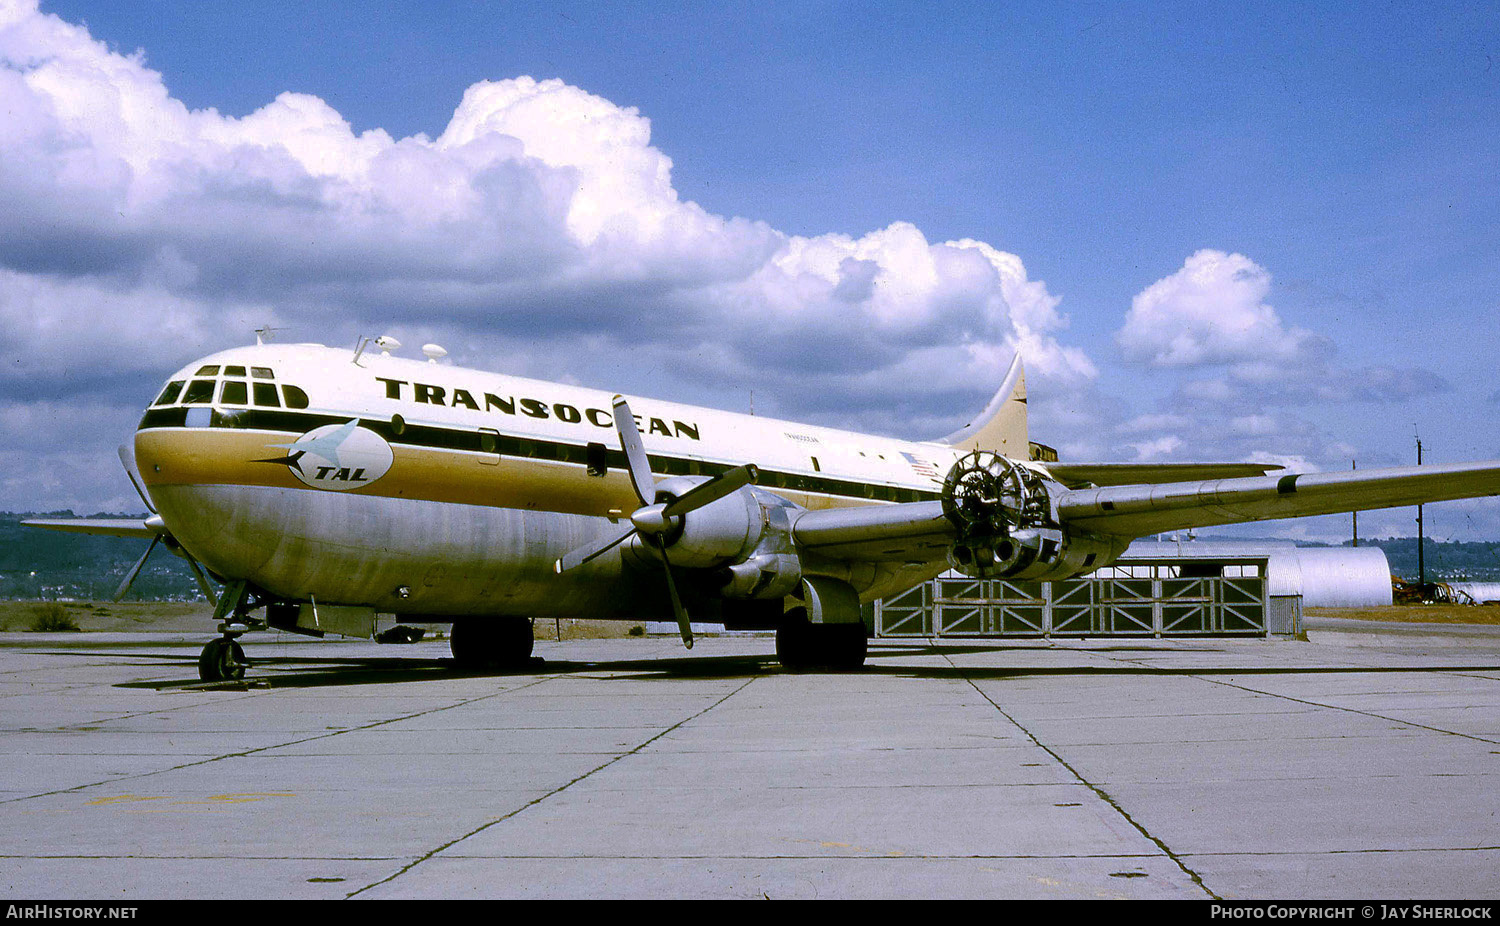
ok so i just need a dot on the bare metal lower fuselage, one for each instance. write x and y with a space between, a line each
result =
420 557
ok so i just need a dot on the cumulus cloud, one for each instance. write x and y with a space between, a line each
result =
1211 319
1242 370
58 328
539 233
1213 310
541 214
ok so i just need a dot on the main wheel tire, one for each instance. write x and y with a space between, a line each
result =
843 647
482 644
801 645
222 660
794 640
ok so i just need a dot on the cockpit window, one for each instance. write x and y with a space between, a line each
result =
262 373
211 369
265 394
169 394
295 398
199 392
234 371
235 392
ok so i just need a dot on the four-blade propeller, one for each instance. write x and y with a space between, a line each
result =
658 515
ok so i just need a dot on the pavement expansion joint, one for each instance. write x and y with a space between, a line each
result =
1103 795
539 800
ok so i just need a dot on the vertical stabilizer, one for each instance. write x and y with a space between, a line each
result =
1001 427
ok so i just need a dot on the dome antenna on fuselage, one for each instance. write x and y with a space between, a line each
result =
385 342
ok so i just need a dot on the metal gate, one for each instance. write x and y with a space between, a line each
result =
1142 597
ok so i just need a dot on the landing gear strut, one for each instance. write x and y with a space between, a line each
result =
485 643
223 660
802 645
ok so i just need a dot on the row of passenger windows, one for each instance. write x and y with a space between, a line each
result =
232 392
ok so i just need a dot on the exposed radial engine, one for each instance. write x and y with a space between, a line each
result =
1006 519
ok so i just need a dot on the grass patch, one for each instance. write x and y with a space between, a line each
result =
92 616
1417 614
51 617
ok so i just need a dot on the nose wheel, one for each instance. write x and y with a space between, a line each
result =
222 661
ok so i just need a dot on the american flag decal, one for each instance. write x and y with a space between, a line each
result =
922 467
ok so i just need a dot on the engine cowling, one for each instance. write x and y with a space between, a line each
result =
1006 519
723 531
746 537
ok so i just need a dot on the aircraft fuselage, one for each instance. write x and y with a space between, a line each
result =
426 489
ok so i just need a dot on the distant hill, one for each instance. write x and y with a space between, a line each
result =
1445 560
48 564
1453 560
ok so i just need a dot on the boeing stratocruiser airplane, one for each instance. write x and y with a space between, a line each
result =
322 486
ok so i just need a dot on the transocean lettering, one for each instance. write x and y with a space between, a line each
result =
453 397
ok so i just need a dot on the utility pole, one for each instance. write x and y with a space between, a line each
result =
1421 560
1354 464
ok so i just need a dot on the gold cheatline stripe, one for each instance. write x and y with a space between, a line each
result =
181 456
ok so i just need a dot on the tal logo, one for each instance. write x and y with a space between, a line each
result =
336 456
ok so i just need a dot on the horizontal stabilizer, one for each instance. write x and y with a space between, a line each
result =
1078 475
1139 510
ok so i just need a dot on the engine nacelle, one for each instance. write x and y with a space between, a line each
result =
1037 553
773 570
723 531
1006 520
744 537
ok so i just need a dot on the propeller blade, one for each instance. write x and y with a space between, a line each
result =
635 452
683 624
712 490
127 459
575 558
136 569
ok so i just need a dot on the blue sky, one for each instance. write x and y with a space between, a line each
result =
1224 231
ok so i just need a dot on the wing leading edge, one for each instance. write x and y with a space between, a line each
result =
1139 510
918 531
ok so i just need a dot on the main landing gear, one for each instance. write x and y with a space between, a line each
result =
802 645
482 644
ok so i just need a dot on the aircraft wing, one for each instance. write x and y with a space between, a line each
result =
144 528
909 532
918 531
1140 510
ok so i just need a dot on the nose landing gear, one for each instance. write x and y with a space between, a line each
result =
223 660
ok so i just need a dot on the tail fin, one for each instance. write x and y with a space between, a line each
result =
1001 427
